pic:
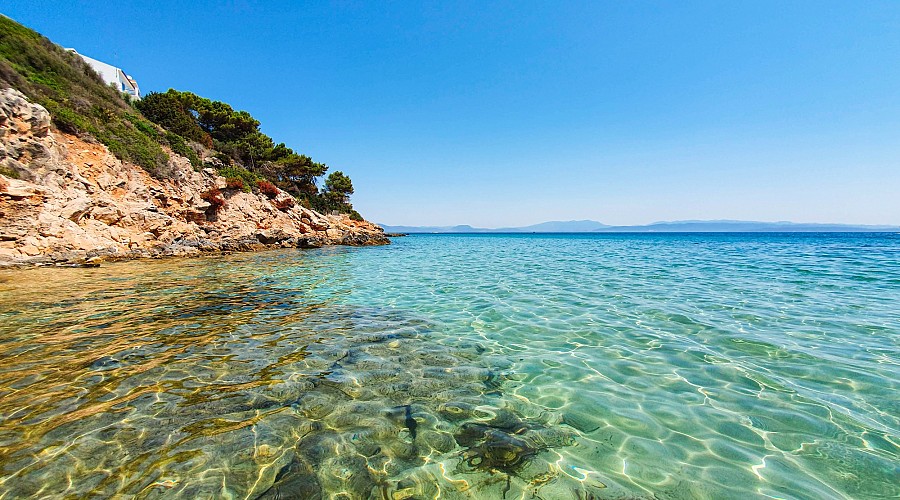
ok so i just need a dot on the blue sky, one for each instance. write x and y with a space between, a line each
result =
512 113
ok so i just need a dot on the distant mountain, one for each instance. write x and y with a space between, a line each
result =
684 226
556 226
571 226
434 229
739 226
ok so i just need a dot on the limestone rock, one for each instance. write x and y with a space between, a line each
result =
74 201
75 209
23 116
109 214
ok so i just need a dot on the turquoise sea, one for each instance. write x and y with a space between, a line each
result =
668 366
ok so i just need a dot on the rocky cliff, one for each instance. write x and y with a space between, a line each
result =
66 200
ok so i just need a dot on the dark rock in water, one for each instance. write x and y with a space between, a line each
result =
295 480
470 434
493 380
105 363
507 442
508 422
410 422
347 474
440 441
492 449
367 449
319 445
551 437
405 412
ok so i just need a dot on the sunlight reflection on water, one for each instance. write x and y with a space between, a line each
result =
461 367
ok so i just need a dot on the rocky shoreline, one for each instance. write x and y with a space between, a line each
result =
66 200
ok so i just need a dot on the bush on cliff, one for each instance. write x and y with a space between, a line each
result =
214 198
235 134
233 183
181 147
267 188
248 154
238 176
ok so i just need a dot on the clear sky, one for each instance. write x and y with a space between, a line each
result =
512 113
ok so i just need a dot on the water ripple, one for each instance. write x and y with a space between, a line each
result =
554 366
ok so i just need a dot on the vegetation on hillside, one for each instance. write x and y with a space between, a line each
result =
191 126
248 155
77 99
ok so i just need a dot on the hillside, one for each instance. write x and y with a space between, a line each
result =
86 174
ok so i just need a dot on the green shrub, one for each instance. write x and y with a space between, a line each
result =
143 126
48 80
224 158
128 144
67 120
181 147
234 173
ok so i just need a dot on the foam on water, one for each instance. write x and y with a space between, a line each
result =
560 366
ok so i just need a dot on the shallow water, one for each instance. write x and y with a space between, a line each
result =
471 366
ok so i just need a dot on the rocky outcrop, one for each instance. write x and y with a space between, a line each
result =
66 200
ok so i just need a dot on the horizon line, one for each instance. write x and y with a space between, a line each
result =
602 225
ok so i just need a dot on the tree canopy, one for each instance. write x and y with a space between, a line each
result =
338 186
237 136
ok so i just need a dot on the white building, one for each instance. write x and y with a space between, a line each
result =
113 75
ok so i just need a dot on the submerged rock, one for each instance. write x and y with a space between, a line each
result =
492 449
509 444
335 418
295 480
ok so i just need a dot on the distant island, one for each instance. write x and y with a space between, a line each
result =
685 226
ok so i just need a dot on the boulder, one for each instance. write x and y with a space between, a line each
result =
110 215
75 209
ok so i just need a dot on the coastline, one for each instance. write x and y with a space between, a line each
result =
74 203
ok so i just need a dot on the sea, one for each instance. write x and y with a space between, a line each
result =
517 366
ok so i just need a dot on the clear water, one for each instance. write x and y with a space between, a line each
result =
482 366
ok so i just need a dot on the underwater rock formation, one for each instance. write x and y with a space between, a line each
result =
325 403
